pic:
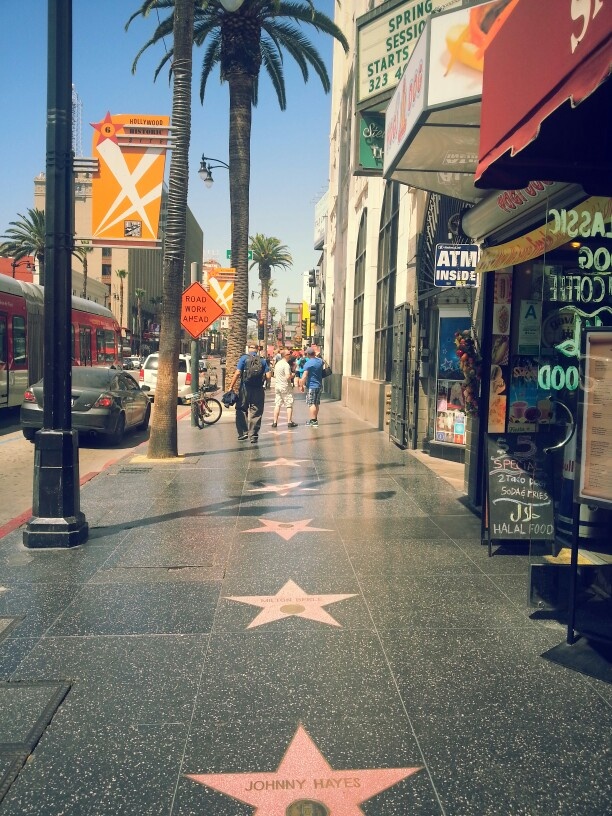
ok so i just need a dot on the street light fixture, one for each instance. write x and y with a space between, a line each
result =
206 168
15 263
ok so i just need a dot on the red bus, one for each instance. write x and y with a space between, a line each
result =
95 337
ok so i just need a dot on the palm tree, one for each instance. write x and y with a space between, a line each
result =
122 275
163 441
241 42
81 251
26 237
267 254
140 293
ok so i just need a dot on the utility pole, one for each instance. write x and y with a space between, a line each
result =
195 355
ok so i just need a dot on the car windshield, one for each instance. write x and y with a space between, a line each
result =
86 377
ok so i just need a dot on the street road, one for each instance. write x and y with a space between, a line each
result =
17 462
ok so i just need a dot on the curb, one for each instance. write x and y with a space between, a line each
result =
22 518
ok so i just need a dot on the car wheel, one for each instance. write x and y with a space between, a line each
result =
29 433
145 422
119 431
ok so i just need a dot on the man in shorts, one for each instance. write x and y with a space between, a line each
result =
283 395
311 381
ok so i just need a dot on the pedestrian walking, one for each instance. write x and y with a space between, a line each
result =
283 395
252 370
311 381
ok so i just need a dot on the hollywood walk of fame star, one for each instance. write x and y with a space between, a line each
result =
304 775
282 489
107 129
287 529
282 461
290 601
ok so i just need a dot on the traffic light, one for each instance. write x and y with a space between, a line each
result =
312 278
305 327
261 329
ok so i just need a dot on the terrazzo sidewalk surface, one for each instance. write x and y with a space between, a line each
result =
308 626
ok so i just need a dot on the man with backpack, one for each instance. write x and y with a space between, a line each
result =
253 371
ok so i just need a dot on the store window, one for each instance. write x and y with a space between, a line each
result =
543 309
358 297
385 283
450 401
107 252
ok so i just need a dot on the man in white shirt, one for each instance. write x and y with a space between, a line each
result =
283 395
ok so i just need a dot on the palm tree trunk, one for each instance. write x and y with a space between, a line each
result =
163 443
241 94
85 276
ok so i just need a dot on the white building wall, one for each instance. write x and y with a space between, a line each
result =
348 196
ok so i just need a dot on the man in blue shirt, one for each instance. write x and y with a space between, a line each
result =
313 377
251 396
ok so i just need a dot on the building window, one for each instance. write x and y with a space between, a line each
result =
106 270
358 296
107 252
385 283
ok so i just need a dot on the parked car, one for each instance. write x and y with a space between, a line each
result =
148 376
136 363
128 364
104 401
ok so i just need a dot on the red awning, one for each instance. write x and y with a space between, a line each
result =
547 97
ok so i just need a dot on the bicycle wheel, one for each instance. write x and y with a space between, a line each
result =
211 410
197 407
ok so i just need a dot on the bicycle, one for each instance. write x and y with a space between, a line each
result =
205 408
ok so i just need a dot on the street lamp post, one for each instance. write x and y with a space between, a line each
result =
206 167
57 520
15 263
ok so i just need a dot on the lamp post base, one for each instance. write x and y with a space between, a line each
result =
57 520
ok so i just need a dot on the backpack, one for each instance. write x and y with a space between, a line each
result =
253 370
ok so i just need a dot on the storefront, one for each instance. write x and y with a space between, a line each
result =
542 290
547 276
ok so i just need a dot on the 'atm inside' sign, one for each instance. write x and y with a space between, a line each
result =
456 265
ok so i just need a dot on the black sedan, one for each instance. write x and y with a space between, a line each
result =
104 401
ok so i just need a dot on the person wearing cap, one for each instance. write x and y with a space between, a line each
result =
313 378
250 405
283 396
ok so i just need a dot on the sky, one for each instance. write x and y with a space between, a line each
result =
289 149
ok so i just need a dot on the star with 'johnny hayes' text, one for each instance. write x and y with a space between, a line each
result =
305 778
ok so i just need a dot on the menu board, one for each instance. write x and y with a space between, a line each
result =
519 488
595 482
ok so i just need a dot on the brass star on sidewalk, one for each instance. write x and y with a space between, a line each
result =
282 461
287 529
305 783
290 601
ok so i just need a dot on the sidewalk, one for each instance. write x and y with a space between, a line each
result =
304 627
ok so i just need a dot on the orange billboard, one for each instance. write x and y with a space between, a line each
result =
127 188
221 286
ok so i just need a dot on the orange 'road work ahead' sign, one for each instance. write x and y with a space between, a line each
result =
198 310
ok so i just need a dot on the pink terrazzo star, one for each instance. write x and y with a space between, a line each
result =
291 601
304 777
287 529
283 461
282 489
